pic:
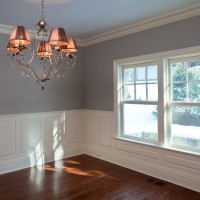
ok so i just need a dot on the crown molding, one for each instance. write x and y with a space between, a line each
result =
160 20
5 29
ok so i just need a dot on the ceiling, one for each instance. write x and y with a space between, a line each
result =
87 18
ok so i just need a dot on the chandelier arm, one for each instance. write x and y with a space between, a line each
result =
72 66
26 72
34 75
22 68
55 60
16 66
49 72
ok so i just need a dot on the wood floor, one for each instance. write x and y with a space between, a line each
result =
87 178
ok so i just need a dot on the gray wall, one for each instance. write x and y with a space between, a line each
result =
98 59
18 95
90 84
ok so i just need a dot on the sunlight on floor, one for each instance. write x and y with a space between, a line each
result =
60 167
72 162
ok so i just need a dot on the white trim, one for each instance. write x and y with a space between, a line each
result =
160 58
167 174
174 16
153 22
178 53
5 29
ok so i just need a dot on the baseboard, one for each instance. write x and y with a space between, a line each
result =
165 174
13 165
24 162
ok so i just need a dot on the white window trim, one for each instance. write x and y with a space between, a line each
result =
161 58
134 101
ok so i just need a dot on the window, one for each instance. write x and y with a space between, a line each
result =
157 99
139 102
185 102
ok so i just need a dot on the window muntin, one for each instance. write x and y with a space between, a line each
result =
184 103
140 83
139 102
174 129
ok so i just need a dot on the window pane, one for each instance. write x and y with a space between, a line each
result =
194 91
129 92
152 74
178 71
141 92
140 74
179 92
185 127
129 75
193 70
152 92
140 121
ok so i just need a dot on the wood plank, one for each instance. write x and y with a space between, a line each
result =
86 178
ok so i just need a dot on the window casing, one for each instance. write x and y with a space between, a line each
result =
139 102
184 103
138 96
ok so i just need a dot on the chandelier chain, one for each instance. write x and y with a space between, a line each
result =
42 9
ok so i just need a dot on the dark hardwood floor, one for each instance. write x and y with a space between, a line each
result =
84 177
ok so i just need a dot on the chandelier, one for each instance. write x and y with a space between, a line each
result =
55 51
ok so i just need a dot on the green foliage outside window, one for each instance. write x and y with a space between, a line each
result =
186 115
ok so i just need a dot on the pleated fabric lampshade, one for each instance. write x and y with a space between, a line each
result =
11 47
20 36
44 49
58 37
71 47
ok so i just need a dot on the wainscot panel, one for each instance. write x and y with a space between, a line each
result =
167 164
32 139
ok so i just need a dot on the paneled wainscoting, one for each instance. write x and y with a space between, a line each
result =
176 167
31 139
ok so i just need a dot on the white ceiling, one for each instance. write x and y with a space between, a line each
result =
87 18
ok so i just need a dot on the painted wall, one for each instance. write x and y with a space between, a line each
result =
19 95
98 59
90 84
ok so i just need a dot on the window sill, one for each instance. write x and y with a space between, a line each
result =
169 148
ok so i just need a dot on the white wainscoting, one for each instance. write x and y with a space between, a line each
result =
176 167
31 139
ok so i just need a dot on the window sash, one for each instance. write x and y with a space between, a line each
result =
146 81
162 60
122 134
174 140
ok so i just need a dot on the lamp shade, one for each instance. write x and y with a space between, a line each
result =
58 37
44 49
71 47
20 36
11 47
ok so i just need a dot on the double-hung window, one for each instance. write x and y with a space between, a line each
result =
184 102
158 101
139 100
